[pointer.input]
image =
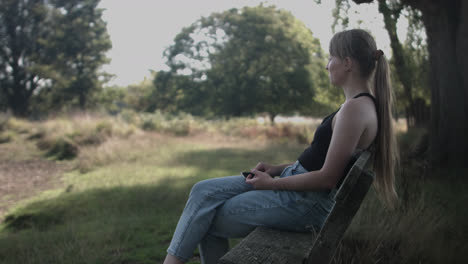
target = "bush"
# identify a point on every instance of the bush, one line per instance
(104, 128)
(18, 125)
(93, 133)
(60, 148)
(179, 125)
(62, 138)
(83, 138)
(6, 137)
(129, 116)
(148, 123)
(37, 133)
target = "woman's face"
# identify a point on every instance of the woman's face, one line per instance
(336, 70)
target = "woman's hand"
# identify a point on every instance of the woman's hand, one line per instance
(269, 169)
(261, 180)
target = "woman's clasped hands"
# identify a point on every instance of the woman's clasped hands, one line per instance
(262, 177)
(261, 180)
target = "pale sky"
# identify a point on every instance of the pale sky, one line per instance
(140, 30)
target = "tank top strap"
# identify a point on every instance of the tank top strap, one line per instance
(368, 95)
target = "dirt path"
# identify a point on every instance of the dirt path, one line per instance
(25, 173)
(23, 179)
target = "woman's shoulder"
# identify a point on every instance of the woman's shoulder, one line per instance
(361, 108)
(360, 104)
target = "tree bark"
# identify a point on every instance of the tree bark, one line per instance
(446, 28)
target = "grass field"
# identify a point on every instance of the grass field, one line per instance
(92, 189)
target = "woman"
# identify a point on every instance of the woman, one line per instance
(227, 207)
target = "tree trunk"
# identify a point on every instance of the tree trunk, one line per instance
(82, 100)
(447, 30)
(18, 100)
(18, 104)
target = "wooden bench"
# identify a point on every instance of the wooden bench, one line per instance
(265, 245)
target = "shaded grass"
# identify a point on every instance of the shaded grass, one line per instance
(124, 211)
(122, 202)
(114, 225)
(430, 225)
(430, 229)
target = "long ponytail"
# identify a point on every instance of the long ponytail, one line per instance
(386, 152)
(359, 45)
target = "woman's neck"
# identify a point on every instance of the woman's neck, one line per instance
(356, 87)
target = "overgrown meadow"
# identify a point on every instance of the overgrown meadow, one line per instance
(91, 188)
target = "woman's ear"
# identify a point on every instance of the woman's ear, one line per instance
(348, 64)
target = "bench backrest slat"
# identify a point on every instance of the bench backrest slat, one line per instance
(348, 200)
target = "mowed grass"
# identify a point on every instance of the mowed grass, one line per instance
(122, 197)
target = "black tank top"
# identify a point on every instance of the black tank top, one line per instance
(314, 156)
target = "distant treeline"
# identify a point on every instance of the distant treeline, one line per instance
(234, 63)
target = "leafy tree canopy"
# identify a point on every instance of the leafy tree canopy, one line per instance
(50, 51)
(242, 61)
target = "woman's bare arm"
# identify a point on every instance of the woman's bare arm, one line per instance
(350, 124)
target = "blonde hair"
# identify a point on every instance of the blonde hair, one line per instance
(360, 46)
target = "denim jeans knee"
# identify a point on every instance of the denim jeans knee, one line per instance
(205, 197)
(226, 207)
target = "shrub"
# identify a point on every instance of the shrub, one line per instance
(124, 130)
(62, 148)
(148, 124)
(89, 137)
(180, 125)
(104, 128)
(62, 138)
(18, 125)
(37, 133)
(6, 136)
(129, 116)
(58, 147)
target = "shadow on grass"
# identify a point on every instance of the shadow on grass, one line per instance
(131, 224)
(115, 225)
(135, 224)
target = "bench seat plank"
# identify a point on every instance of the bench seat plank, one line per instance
(265, 245)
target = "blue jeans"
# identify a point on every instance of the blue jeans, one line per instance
(228, 207)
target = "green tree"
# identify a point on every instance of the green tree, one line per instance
(78, 47)
(23, 24)
(244, 61)
(138, 96)
(51, 50)
(173, 93)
